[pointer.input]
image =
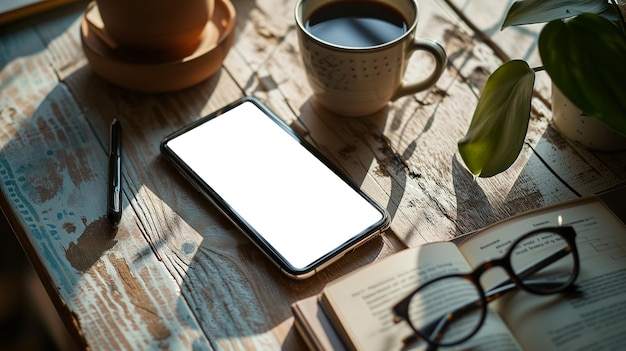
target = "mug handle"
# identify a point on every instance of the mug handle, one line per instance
(441, 59)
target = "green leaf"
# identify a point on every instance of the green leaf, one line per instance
(540, 11)
(586, 59)
(498, 128)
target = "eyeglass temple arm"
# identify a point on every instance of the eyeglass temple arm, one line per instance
(530, 270)
(438, 326)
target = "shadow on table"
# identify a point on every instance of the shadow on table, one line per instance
(227, 285)
(57, 190)
(28, 320)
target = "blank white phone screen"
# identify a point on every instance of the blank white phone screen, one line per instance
(300, 207)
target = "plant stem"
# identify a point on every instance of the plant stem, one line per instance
(620, 15)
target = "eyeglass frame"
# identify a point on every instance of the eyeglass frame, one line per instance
(401, 309)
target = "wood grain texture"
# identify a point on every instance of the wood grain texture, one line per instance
(177, 274)
(53, 165)
(409, 150)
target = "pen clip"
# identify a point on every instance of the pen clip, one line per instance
(114, 186)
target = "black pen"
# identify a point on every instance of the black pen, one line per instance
(114, 185)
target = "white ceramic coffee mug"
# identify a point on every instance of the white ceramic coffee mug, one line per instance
(357, 81)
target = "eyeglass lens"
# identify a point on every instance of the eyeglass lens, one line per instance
(543, 262)
(449, 310)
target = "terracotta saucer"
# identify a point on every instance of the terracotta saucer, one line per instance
(157, 72)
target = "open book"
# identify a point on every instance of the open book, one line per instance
(356, 309)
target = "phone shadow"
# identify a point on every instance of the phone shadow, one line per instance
(358, 146)
(233, 289)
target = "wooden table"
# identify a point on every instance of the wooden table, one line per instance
(177, 274)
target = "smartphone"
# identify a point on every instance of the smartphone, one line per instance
(298, 208)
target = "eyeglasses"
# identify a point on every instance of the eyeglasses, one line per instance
(450, 309)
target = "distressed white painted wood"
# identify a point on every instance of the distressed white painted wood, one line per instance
(177, 274)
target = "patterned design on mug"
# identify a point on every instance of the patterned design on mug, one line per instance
(371, 68)
(333, 72)
(330, 69)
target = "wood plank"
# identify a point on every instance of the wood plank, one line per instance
(108, 284)
(203, 252)
(177, 274)
(406, 156)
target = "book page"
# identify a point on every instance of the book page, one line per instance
(596, 319)
(361, 302)
(313, 324)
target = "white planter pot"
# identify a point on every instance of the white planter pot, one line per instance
(588, 132)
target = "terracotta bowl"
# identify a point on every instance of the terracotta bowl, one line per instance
(155, 24)
(158, 71)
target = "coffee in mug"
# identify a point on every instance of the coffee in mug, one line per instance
(356, 52)
(355, 25)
